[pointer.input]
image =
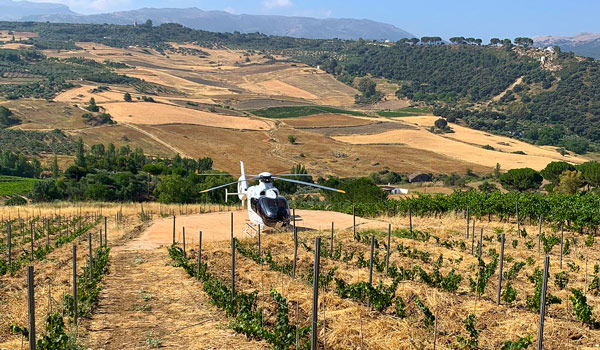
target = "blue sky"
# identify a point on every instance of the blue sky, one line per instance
(483, 19)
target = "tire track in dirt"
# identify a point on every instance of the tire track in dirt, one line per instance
(157, 139)
(147, 303)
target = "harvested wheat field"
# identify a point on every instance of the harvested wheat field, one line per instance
(446, 146)
(156, 114)
(16, 46)
(83, 94)
(326, 120)
(501, 143)
(4, 36)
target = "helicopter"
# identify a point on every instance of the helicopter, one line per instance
(266, 206)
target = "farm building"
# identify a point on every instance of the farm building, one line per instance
(419, 177)
(393, 189)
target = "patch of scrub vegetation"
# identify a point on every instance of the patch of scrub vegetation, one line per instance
(13, 185)
(36, 142)
(301, 111)
(403, 112)
(48, 76)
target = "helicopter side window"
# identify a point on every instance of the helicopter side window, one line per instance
(253, 203)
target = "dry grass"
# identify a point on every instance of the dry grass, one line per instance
(121, 135)
(504, 144)
(81, 95)
(44, 115)
(53, 275)
(460, 146)
(352, 325)
(156, 114)
(4, 36)
(325, 120)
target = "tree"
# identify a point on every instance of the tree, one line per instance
(127, 97)
(441, 123)
(523, 179)
(553, 170)
(367, 86)
(292, 139)
(497, 171)
(54, 167)
(80, 154)
(570, 182)
(175, 189)
(45, 191)
(495, 41)
(92, 107)
(591, 172)
(523, 42)
(487, 187)
(361, 190)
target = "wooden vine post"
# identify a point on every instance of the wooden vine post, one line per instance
(32, 240)
(31, 307)
(232, 268)
(562, 237)
(387, 253)
(9, 247)
(315, 308)
(480, 242)
(410, 218)
(75, 284)
(354, 221)
(543, 304)
(183, 238)
(295, 253)
(106, 231)
(331, 248)
(468, 217)
(91, 261)
(540, 234)
(199, 253)
(371, 260)
(259, 240)
(173, 229)
(500, 270)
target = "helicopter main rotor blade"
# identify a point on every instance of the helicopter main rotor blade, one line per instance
(292, 175)
(225, 185)
(309, 184)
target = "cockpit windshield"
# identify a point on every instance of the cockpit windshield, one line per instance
(272, 210)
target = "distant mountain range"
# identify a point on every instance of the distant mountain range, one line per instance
(214, 21)
(584, 44)
(15, 10)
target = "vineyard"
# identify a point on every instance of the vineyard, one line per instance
(437, 286)
(43, 237)
(425, 278)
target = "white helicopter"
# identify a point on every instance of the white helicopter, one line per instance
(266, 206)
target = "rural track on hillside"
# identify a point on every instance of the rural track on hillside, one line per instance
(157, 139)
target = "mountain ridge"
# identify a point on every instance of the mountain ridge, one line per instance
(222, 21)
(582, 44)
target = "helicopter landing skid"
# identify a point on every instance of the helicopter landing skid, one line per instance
(250, 230)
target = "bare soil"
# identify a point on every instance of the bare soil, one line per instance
(147, 303)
